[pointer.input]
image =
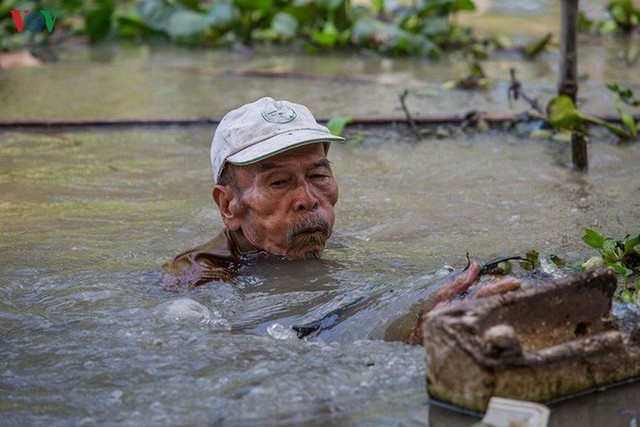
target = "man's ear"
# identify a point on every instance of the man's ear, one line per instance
(228, 204)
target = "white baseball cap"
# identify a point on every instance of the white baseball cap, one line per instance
(262, 129)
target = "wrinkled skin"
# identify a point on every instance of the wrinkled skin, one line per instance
(284, 204)
(455, 291)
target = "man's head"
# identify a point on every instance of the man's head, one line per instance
(272, 181)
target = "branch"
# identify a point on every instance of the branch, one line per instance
(515, 92)
(412, 122)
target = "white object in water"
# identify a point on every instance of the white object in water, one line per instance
(281, 332)
(503, 412)
(186, 309)
(183, 309)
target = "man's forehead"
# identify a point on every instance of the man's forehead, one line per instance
(312, 155)
(312, 163)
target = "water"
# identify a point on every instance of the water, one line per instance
(89, 337)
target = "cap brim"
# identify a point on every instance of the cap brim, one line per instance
(279, 144)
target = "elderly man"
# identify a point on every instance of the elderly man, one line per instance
(273, 186)
(275, 191)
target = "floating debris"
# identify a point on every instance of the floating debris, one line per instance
(539, 344)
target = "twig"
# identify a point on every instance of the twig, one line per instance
(412, 122)
(515, 91)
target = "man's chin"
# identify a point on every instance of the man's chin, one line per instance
(307, 247)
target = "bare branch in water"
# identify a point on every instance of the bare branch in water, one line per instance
(515, 92)
(412, 122)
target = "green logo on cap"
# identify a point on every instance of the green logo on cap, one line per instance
(281, 114)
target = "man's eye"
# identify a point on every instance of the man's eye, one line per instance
(277, 183)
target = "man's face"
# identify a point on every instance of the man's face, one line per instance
(286, 202)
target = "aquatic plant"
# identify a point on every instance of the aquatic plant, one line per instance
(536, 47)
(624, 95)
(336, 124)
(424, 28)
(563, 114)
(623, 256)
(623, 17)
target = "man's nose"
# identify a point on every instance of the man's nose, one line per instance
(304, 198)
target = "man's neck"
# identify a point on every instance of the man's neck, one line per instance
(242, 245)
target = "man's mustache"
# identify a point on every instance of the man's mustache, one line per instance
(311, 224)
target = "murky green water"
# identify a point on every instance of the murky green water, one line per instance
(88, 337)
(152, 82)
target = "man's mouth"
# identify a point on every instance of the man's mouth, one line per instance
(310, 226)
(312, 230)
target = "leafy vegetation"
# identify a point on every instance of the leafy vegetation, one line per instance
(336, 126)
(623, 256)
(623, 17)
(625, 96)
(563, 114)
(422, 29)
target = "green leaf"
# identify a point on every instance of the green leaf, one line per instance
(610, 250)
(222, 14)
(190, 4)
(184, 23)
(534, 48)
(502, 41)
(628, 121)
(129, 24)
(378, 6)
(616, 130)
(476, 71)
(557, 260)
(7, 5)
(532, 256)
(608, 27)
(585, 23)
(337, 124)
(364, 30)
(625, 296)
(264, 6)
(630, 243)
(563, 113)
(593, 238)
(98, 20)
(155, 13)
(467, 5)
(505, 267)
(329, 35)
(541, 133)
(435, 25)
(285, 25)
(264, 34)
(329, 4)
(625, 94)
(618, 268)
